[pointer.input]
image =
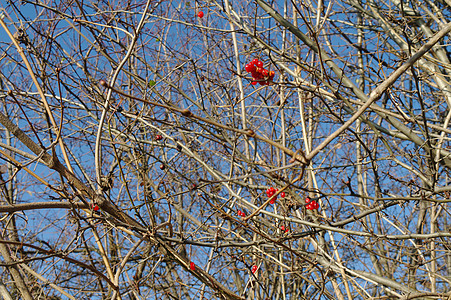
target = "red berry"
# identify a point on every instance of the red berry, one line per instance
(282, 194)
(254, 269)
(265, 72)
(162, 167)
(272, 201)
(158, 137)
(307, 200)
(282, 227)
(249, 68)
(95, 207)
(192, 266)
(254, 82)
(256, 75)
(200, 14)
(259, 64)
(311, 204)
(254, 61)
(239, 212)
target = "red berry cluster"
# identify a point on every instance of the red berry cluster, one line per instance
(158, 137)
(260, 74)
(241, 214)
(311, 204)
(284, 229)
(271, 191)
(254, 269)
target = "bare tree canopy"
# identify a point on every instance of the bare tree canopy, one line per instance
(225, 149)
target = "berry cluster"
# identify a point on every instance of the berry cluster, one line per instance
(311, 204)
(284, 229)
(241, 214)
(271, 191)
(254, 269)
(260, 74)
(158, 137)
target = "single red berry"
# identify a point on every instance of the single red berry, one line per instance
(282, 195)
(239, 212)
(249, 68)
(158, 137)
(307, 200)
(315, 205)
(254, 61)
(192, 266)
(254, 82)
(282, 227)
(254, 269)
(200, 14)
(265, 72)
(272, 201)
(95, 207)
(259, 64)
(162, 167)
